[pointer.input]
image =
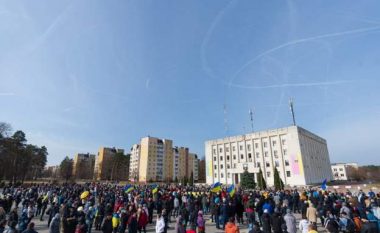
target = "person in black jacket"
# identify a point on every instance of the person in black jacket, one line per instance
(107, 224)
(266, 222)
(277, 222)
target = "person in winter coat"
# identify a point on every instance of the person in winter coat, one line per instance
(311, 214)
(55, 224)
(30, 228)
(290, 221)
(107, 224)
(132, 223)
(331, 224)
(23, 221)
(231, 226)
(179, 226)
(304, 225)
(266, 221)
(201, 222)
(142, 220)
(277, 222)
(160, 224)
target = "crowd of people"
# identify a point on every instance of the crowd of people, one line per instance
(111, 208)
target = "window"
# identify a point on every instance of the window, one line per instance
(342, 175)
(341, 169)
(266, 153)
(288, 174)
(214, 158)
(257, 155)
(215, 167)
(249, 147)
(335, 170)
(228, 175)
(265, 144)
(216, 175)
(234, 165)
(228, 157)
(228, 166)
(256, 145)
(275, 154)
(286, 163)
(285, 152)
(277, 164)
(241, 156)
(220, 150)
(233, 148)
(240, 147)
(221, 175)
(221, 166)
(214, 151)
(221, 158)
(234, 156)
(268, 174)
(258, 164)
(267, 164)
(283, 141)
(274, 143)
(227, 149)
(249, 155)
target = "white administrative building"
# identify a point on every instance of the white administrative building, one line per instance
(300, 156)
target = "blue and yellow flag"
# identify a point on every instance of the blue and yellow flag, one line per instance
(231, 190)
(154, 188)
(324, 185)
(216, 187)
(128, 188)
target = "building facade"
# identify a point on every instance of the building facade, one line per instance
(300, 156)
(107, 167)
(340, 171)
(83, 166)
(202, 171)
(156, 159)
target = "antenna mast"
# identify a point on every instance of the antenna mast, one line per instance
(251, 117)
(292, 110)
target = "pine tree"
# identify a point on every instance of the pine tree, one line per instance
(247, 180)
(278, 183)
(261, 181)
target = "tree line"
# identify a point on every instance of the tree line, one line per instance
(20, 161)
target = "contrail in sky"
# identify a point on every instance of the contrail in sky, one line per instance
(293, 42)
(310, 84)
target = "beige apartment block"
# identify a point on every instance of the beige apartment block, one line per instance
(83, 166)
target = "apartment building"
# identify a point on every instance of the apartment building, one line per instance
(340, 171)
(83, 166)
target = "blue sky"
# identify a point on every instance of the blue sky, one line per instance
(76, 75)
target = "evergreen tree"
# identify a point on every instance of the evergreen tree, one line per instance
(261, 181)
(247, 180)
(66, 168)
(278, 183)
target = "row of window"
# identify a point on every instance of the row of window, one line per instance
(266, 154)
(258, 164)
(265, 145)
(288, 174)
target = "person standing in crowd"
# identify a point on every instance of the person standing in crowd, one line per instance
(107, 224)
(160, 224)
(266, 221)
(312, 228)
(55, 224)
(201, 222)
(290, 221)
(304, 225)
(311, 214)
(231, 226)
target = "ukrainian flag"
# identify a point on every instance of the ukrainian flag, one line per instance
(216, 187)
(231, 190)
(128, 188)
(154, 188)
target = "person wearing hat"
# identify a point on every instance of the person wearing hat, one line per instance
(201, 222)
(290, 221)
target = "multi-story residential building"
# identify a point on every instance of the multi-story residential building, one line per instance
(300, 156)
(192, 166)
(340, 171)
(156, 156)
(134, 163)
(156, 159)
(108, 167)
(83, 166)
(202, 171)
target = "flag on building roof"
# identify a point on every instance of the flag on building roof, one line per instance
(231, 190)
(128, 188)
(216, 187)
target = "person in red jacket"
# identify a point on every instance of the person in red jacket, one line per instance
(231, 226)
(142, 220)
